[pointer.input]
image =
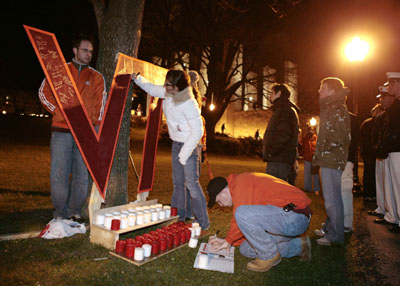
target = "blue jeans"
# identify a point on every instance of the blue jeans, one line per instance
(279, 170)
(332, 192)
(187, 177)
(268, 230)
(67, 196)
(310, 179)
(189, 213)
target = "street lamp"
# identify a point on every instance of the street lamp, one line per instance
(356, 50)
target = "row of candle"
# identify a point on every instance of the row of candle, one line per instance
(158, 241)
(135, 216)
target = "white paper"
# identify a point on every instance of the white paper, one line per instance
(217, 261)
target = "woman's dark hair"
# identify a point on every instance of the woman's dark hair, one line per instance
(281, 87)
(178, 78)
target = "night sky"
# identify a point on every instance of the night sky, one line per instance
(332, 23)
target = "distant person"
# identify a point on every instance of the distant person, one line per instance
(331, 156)
(68, 194)
(185, 129)
(257, 134)
(281, 135)
(382, 174)
(223, 128)
(311, 175)
(391, 147)
(269, 215)
(368, 154)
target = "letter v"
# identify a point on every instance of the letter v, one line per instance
(97, 149)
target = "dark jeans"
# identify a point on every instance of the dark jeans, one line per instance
(369, 176)
(279, 170)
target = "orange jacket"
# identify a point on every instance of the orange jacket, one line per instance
(308, 145)
(91, 86)
(260, 189)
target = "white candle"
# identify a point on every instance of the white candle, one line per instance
(140, 219)
(203, 260)
(198, 231)
(139, 254)
(107, 221)
(147, 217)
(154, 216)
(100, 219)
(132, 220)
(193, 242)
(124, 223)
(147, 250)
(162, 215)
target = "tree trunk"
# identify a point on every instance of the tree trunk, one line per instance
(119, 28)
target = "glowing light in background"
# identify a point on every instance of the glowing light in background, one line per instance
(313, 121)
(212, 106)
(356, 50)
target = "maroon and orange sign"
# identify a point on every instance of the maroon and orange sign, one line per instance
(97, 149)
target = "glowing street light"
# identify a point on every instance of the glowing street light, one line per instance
(212, 106)
(356, 50)
(313, 121)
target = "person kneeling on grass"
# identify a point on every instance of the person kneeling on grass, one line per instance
(268, 216)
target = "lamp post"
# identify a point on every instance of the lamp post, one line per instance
(355, 52)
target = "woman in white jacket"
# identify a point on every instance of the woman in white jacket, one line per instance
(185, 129)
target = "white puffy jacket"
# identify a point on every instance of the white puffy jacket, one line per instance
(182, 113)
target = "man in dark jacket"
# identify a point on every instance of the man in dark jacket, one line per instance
(280, 137)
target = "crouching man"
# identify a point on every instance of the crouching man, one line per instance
(268, 216)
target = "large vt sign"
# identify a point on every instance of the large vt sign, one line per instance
(97, 149)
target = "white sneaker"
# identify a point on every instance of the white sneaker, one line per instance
(323, 241)
(319, 232)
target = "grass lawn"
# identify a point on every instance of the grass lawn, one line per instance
(25, 206)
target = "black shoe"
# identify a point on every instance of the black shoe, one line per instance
(381, 221)
(77, 219)
(375, 213)
(395, 229)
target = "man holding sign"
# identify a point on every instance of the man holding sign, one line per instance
(69, 194)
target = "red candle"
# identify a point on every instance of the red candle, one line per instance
(182, 236)
(147, 241)
(174, 211)
(120, 246)
(139, 244)
(130, 250)
(115, 224)
(130, 241)
(155, 246)
(188, 234)
(139, 238)
(170, 241)
(177, 240)
(163, 244)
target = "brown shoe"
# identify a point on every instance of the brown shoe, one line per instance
(305, 249)
(260, 265)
